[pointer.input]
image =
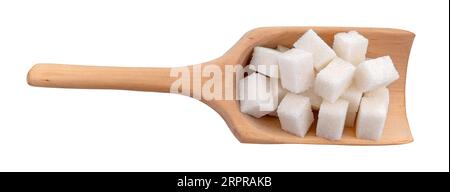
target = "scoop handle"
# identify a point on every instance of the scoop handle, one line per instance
(96, 77)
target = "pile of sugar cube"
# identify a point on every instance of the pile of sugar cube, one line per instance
(346, 88)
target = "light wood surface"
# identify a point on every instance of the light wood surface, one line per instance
(393, 42)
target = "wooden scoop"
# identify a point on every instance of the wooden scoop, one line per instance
(247, 129)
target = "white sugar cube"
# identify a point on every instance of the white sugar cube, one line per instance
(350, 119)
(315, 99)
(265, 61)
(255, 96)
(312, 43)
(372, 115)
(351, 47)
(282, 48)
(334, 79)
(295, 114)
(375, 73)
(277, 90)
(380, 93)
(353, 96)
(278, 93)
(296, 70)
(331, 119)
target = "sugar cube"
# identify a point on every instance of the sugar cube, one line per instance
(282, 48)
(351, 46)
(296, 70)
(278, 93)
(353, 96)
(334, 79)
(375, 73)
(372, 115)
(295, 114)
(277, 90)
(312, 43)
(315, 99)
(265, 61)
(255, 96)
(331, 119)
(380, 93)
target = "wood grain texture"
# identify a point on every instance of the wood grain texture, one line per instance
(394, 42)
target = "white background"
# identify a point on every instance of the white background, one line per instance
(44, 129)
